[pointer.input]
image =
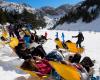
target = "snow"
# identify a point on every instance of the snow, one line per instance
(91, 48)
(81, 26)
(51, 20)
(92, 8)
(9, 61)
(91, 32)
(8, 64)
(10, 6)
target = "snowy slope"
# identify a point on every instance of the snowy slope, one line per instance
(90, 43)
(8, 63)
(51, 20)
(79, 25)
(8, 60)
(10, 6)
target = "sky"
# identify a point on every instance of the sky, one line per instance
(41, 3)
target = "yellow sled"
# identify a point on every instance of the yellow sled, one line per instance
(72, 47)
(59, 43)
(67, 72)
(33, 74)
(14, 42)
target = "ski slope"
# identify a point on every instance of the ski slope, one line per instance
(9, 61)
(81, 26)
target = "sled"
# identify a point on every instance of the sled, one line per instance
(33, 74)
(59, 43)
(72, 47)
(14, 42)
(67, 72)
(4, 34)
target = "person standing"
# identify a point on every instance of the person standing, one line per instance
(80, 39)
(46, 34)
(16, 31)
(56, 35)
(10, 29)
(63, 37)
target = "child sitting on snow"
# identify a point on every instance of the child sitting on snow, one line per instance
(84, 67)
(41, 66)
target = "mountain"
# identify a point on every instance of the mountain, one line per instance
(10, 6)
(46, 10)
(14, 11)
(63, 9)
(17, 13)
(86, 11)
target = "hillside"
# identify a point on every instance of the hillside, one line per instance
(13, 12)
(81, 26)
(84, 13)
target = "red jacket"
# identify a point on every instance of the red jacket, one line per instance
(43, 67)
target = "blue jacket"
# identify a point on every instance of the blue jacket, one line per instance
(27, 39)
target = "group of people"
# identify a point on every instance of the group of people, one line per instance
(36, 59)
(22, 32)
(42, 67)
(80, 38)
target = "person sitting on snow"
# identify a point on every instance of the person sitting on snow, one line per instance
(3, 39)
(40, 66)
(22, 51)
(76, 58)
(37, 49)
(35, 37)
(32, 37)
(87, 63)
(54, 55)
(84, 67)
(27, 40)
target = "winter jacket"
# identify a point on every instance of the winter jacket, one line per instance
(54, 55)
(43, 66)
